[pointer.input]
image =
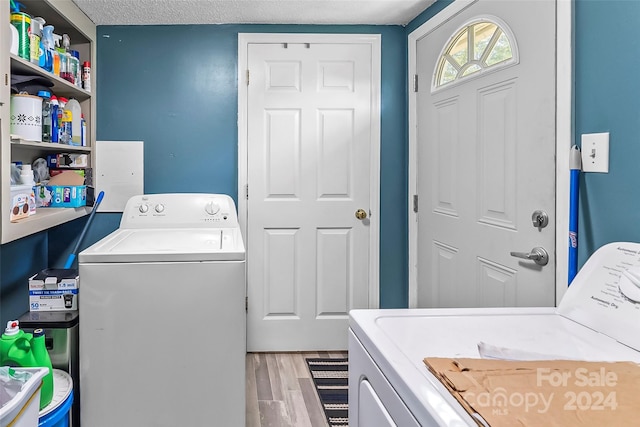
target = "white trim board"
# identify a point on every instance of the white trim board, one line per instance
(564, 137)
(375, 40)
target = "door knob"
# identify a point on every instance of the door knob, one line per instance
(539, 255)
(361, 214)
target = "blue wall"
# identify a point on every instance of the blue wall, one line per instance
(19, 260)
(175, 87)
(608, 100)
(427, 14)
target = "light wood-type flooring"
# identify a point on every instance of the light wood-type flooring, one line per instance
(280, 390)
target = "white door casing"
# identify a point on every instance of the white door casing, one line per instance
(503, 94)
(309, 154)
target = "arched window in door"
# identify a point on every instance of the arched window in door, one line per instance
(480, 45)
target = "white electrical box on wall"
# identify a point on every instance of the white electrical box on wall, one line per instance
(595, 152)
(119, 172)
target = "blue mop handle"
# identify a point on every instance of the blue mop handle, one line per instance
(72, 255)
(575, 166)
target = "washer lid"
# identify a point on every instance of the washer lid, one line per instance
(604, 294)
(165, 245)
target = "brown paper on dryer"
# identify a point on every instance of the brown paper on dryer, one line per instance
(547, 393)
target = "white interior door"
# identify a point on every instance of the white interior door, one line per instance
(310, 110)
(486, 147)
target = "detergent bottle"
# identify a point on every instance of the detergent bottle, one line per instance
(18, 348)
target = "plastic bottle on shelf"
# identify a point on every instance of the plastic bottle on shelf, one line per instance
(55, 129)
(22, 22)
(65, 122)
(57, 54)
(75, 67)
(48, 52)
(65, 60)
(26, 175)
(86, 76)
(46, 115)
(76, 121)
(83, 125)
(35, 39)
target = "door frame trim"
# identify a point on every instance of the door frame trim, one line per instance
(375, 42)
(564, 138)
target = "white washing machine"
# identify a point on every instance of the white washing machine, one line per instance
(162, 316)
(389, 384)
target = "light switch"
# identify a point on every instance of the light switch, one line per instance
(595, 152)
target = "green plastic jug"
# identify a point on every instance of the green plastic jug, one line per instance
(18, 348)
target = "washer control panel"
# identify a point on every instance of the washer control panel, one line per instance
(180, 210)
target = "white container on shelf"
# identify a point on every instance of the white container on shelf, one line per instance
(26, 117)
(76, 121)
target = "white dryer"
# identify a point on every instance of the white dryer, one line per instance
(389, 384)
(162, 316)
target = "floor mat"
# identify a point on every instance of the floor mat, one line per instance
(331, 379)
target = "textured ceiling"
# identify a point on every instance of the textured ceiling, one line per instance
(151, 12)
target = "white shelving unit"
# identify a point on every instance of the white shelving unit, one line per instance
(65, 16)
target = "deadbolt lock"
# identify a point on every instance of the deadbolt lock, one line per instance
(540, 219)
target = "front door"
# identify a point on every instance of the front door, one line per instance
(486, 148)
(309, 143)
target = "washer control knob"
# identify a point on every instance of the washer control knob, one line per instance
(143, 208)
(159, 208)
(212, 208)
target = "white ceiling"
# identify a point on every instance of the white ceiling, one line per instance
(155, 12)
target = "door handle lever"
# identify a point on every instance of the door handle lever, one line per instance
(539, 255)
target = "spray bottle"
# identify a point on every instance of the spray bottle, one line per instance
(65, 61)
(46, 59)
(18, 348)
(57, 54)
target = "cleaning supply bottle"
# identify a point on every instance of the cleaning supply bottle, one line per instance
(86, 76)
(83, 126)
(76, 121)
(35, 39)
(65, 60)
(22, 22)
(66, 122)
(74, 61)
(55, 130)
(46, 59)
(46, 115)
(18, 348)
(57, 54)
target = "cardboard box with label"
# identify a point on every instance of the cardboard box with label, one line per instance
(54, 290)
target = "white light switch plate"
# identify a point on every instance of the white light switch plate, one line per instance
(595, 152)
